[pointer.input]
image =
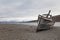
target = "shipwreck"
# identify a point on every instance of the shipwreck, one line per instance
(45, 22)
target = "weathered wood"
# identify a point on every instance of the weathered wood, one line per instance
(45, 22)
(48, 14)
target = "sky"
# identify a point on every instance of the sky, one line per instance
(23, 10)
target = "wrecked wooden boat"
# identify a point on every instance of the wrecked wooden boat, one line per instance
(45, 22)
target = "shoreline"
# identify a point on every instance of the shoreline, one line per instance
(24, 32)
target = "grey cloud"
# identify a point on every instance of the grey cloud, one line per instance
(25, 8)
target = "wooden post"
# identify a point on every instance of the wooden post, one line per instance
(48, 14)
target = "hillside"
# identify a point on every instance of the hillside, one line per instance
(56, 18)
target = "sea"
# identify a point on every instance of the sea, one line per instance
(36, 24)
(28, 23)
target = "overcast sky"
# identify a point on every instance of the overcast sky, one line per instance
(27, 9)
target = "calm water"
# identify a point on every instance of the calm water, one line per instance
(35, 24)
(57, 24)
(30, 24)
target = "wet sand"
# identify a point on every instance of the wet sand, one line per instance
(24, 32)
